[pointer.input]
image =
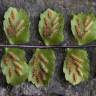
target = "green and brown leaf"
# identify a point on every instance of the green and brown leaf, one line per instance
(16, 26)
(14, 66)
(76, 66)
(83, 27)
(41, 67)
(51, 27)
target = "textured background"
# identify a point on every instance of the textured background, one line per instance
(58, 86)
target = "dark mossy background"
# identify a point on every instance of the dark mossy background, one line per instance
(58, 86)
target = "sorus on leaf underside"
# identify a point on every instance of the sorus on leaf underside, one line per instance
(76, 66)
(16, 25)
(14, 66)
(83, 26)
(41, 67)
(51, 27)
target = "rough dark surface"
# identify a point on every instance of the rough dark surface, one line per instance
(58, 86)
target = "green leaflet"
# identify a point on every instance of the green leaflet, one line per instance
(16, 26)
(51, 27)
(14, 66)
(76, 66)
(41, 67)
(83, 27)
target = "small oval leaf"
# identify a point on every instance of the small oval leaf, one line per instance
(51, 27)
(14, 66)
(76, 66)
(83, 27)
(41, 67)
(16, 25)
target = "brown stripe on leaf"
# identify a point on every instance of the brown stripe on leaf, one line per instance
(18, 72)
(10, 71)
(20, 24)
(10, 22)
(11, 31)
(38, 79)
(18, 65)
(43, 74)
(46, 31)
(44, 68)
(13, 56)
(6, 60)
(54, 28)
(77, 64)
(42, 58)
(87, 21)
(87, 28)
(34, 71)
(34, 60)
(74, 57)
(78, 71)
(40, 75)
(78, 30)
(46, 21)
(20, 31)
(56, 20)
(74, 77)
